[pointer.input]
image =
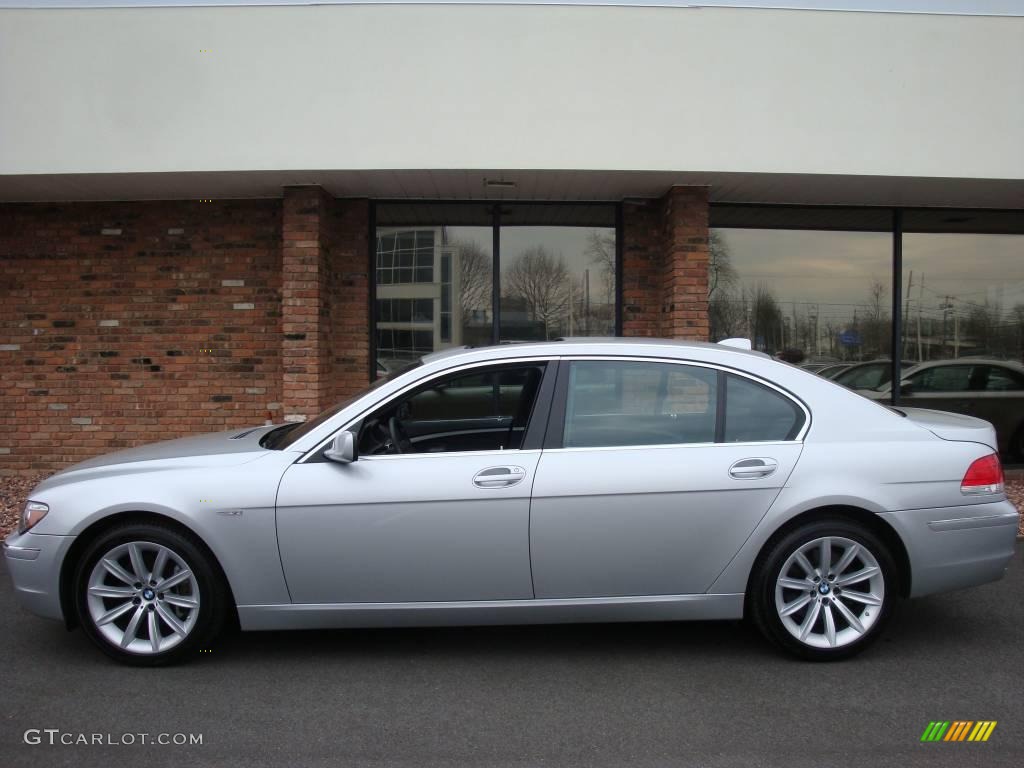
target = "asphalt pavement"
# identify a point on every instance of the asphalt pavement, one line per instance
(702, 694)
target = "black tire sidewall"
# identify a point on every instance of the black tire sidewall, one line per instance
(211, 592)
(763, 596)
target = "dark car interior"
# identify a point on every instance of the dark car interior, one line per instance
(472, 411)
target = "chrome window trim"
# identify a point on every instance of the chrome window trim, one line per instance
(419, 382)
(700, 364)
(449, 454)
(667, 446)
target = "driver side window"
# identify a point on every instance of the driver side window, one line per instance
(477, 410)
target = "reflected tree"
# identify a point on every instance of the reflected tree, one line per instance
(474, 275)
(540, 279)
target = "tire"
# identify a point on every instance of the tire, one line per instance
(128, 616)
(821, 624)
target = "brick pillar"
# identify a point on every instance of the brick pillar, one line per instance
(665, 266)
(641, 268)
(348, 242)
(305, 306)
(684, 312)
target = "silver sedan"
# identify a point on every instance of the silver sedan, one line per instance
(570, 481)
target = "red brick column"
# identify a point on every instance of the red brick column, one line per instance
(665, 266)
(325, 321)
(641, 268)
(305, 307)
(685, 277)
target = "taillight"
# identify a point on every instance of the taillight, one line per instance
(983, 476)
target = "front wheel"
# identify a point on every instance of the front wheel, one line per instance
(825, 590)
(147, 594)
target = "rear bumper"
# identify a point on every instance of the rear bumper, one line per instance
(34, 561)
(955, 547)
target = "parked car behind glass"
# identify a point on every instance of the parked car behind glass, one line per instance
(992, 390)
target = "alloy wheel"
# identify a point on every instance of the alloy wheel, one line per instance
(143, 597)
(830, 592)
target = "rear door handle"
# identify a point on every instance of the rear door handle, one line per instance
(751, 469)
(499, 477)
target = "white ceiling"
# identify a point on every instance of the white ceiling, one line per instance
(804, 189)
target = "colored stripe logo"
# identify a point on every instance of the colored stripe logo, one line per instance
(959, 730)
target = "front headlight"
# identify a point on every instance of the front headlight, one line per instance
(33, 512)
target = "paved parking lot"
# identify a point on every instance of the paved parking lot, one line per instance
(618, 695)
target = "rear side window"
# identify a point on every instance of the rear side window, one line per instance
(615, 403)
(944, 378)
(755, 413)
(1004, 380)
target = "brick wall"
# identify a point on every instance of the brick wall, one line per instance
(684, 284)
(305, 323)
(347, 239)
(665, 266)
(121, 323)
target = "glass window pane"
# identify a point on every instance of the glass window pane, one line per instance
(557, 281)
(621, 403)
(942, 378)
(964, 296)
(475, 411)
(421, 310)
(754, 412)
(808, 296)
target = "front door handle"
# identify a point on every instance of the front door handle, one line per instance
(499, 477)
(751, 469)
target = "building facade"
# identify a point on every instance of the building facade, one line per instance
(212, 214)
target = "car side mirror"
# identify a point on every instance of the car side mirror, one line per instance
(342, 448)
(906, 388)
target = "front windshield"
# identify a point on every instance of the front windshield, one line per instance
(288, 434)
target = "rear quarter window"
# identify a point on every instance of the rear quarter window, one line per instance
(756, 413)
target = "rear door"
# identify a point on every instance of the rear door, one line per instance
(654, 473)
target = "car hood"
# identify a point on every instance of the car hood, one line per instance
(220, 448)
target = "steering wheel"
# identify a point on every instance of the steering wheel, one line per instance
(399, 437)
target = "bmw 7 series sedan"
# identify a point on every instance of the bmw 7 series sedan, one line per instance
(579, 480)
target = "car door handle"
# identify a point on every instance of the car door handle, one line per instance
(751, 469)
(499, 477)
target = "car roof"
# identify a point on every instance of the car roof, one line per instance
(585, 345)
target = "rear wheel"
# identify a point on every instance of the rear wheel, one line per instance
(148, 595)
(825, 590)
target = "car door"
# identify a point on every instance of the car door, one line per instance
(445, 519)
(654, 473)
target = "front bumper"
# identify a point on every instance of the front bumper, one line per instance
(956, 547)
(34, 562)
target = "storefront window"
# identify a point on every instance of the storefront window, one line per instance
(436, 265)
(812, 287)
(963, 286)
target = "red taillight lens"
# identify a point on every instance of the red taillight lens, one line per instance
(983, 476)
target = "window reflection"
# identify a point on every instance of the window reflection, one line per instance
(964, 296)
(433, 290)
(557, 281)
(812, 297)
